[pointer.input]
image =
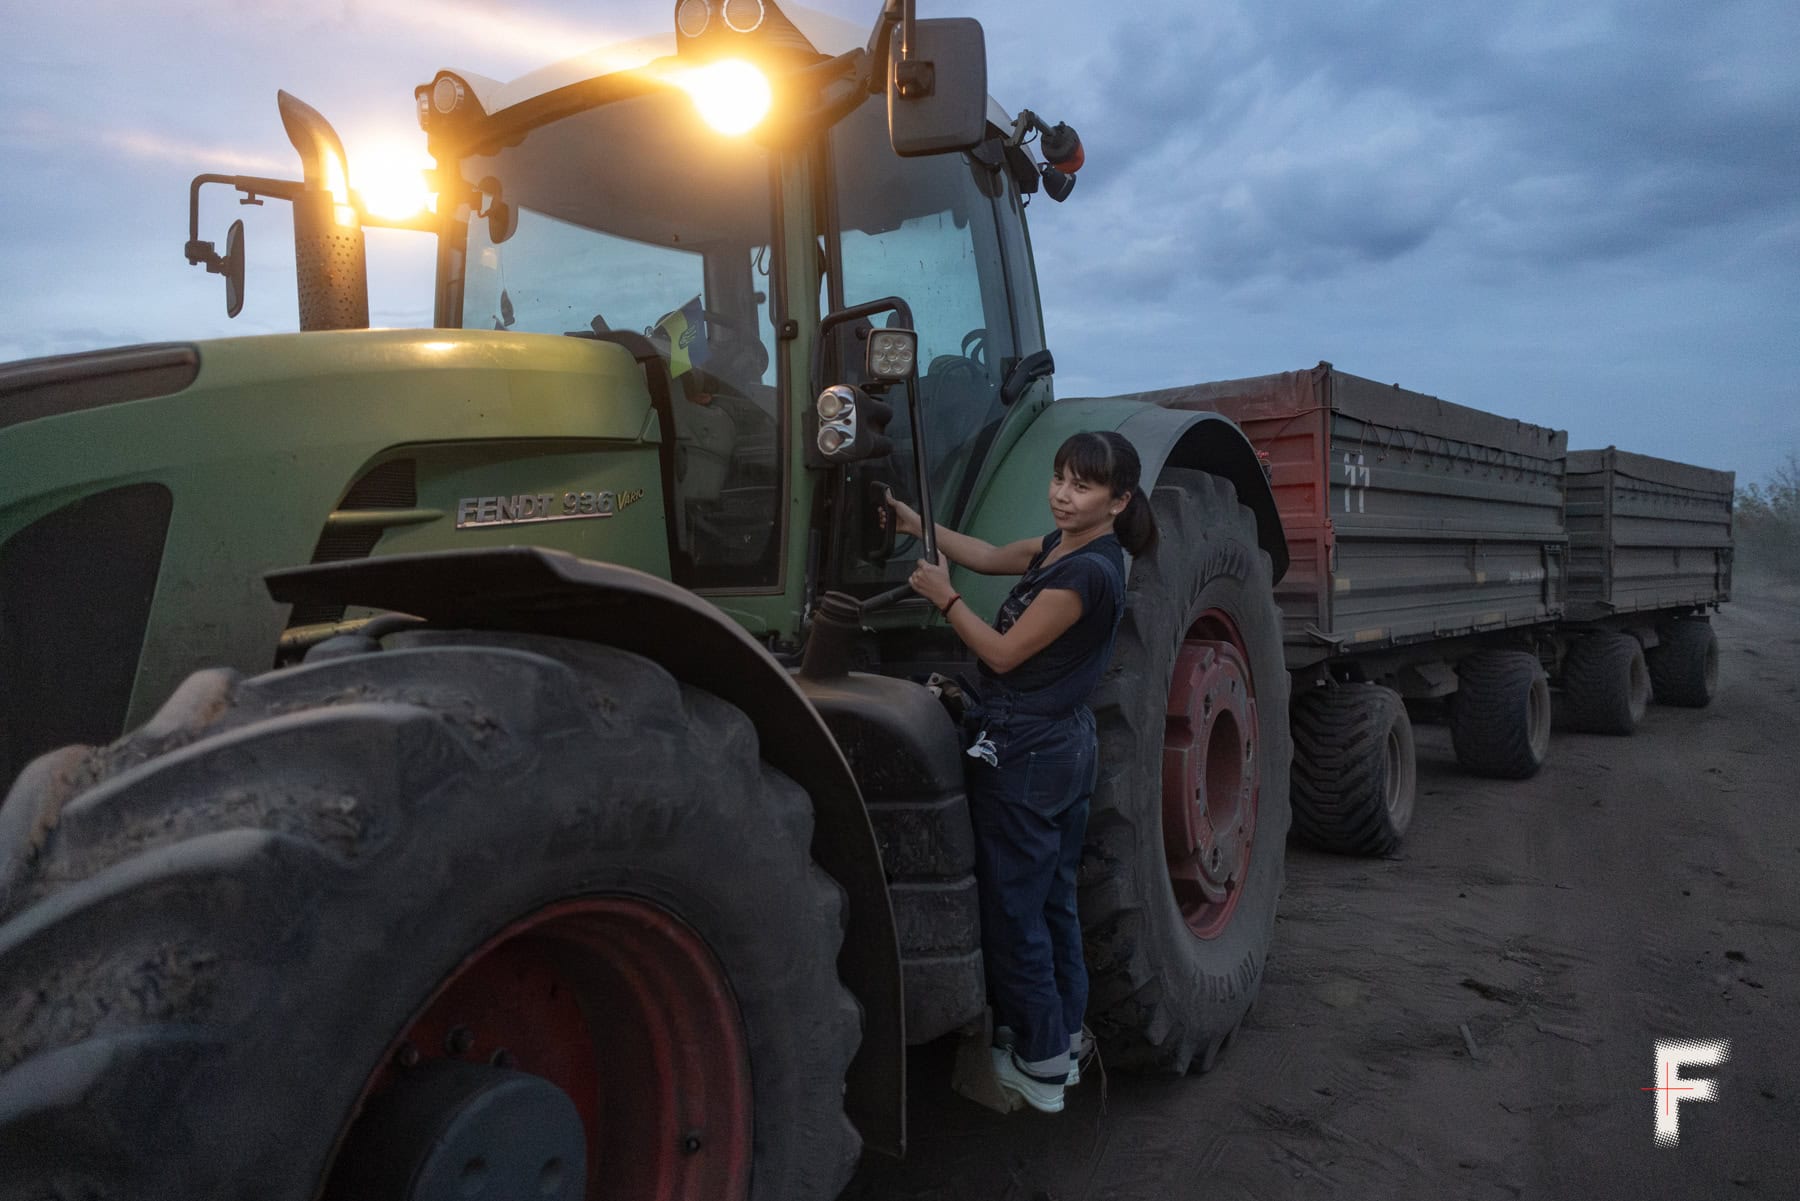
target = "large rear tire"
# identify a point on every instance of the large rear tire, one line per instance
(1500, 714)
(1605, 684)
(406, 916)
(1355, 772)
(1183, 861)
(1684, 668)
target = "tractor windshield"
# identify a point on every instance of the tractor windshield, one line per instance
(620, 216)
(634, 216)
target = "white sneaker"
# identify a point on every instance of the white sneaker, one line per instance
(1045, 1096)
(1081, 1049)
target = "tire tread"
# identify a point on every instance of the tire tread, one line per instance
(1596, 683)
(1489, 726)
(1152, 1007)
(142, 882)
(1678, 665)
(1340, 783)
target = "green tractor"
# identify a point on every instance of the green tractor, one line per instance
(501, 759)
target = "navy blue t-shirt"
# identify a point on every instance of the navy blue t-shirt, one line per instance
(1057, 680)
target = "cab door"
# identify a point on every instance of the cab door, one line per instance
(946, 234)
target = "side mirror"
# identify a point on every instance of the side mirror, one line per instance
(234, 269)
(503, 221)
(231, 263)
(937, 92)
(1027, 371)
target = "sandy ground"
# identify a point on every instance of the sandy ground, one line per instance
(1638, 888)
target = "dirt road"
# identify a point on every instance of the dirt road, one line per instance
(1638, 888)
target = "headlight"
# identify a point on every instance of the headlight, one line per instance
(852, 424)
(836, 407)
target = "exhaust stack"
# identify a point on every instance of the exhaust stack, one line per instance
(330, 261)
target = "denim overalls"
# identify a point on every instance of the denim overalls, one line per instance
(1032, 769)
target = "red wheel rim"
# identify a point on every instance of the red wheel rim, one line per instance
(622, 1006)
(1210, 785)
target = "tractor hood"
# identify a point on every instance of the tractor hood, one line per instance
(71, 421)
(144, 492)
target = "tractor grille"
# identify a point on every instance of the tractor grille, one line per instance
(392, 485)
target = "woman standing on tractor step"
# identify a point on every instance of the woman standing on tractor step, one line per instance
(1035, 755)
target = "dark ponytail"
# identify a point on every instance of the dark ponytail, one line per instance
(1109, 459)
(1136, 526)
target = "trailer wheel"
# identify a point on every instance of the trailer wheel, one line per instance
(1183, 859)
(1355, 774)
(480, 915)
(1500, 714)
(1684, 669)
(1605, 684)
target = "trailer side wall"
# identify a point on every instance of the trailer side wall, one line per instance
(1646, 534)
(1409, 519)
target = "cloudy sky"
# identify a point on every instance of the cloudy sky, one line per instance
(1584, 213)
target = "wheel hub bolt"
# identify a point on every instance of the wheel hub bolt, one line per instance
(459, 1040)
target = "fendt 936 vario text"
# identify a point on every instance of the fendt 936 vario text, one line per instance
(497, 757)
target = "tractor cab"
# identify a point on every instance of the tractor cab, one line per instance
(722, 208)
(723, 203)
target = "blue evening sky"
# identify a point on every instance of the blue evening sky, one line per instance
(1583, 213)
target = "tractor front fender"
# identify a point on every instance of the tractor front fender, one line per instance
(1013, 503)
(530, 590)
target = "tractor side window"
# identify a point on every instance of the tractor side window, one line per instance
(924, 229)
(672, 240)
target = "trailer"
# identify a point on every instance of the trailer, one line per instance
(1650, 554)
(1426, 551)
(1443, 556)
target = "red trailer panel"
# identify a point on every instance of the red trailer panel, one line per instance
(1409, 519)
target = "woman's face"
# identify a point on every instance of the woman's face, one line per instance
(1081, 506)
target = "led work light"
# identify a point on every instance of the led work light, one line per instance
(693, 17)
(892, 354)
(447, 93)
(743, 16)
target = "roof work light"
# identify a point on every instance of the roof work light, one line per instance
(733, 97)
(724, 48)
(692, 17)
(734, 28)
